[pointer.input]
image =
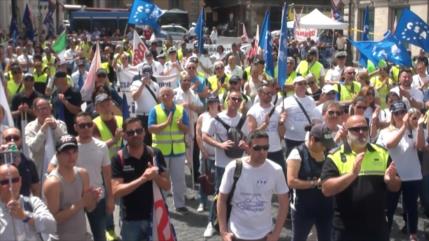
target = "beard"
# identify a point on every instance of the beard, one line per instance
(357, 141)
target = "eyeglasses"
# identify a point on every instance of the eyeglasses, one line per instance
(218, 67)
(332, 113)
(236, 99)
(361, 107)
(85, 125)
(135, 132)
(398, 113)
(267, 93)
(331, 93)
(166, 95)
(29, 79)
(12, 138)
(5, 182)
(259, 147)
(191, 67)
(358, 129)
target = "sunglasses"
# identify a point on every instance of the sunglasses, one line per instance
(218, 68)
(259, 147)
(398, 113)
(331, 93)
(359, 129)
(28, 79)
(85, 125)
(233, 83)
(191, 67)
(236, 99)
(135, 132)
(350, 72)
(310, 82)
(361, 107)
(12, 138)
(332, 113)
(5, 182)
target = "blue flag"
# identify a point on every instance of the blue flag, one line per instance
(144, 12)
(268, 45)
(13, 29)
(363, 60)
(125, 107)
(411, 28)
(199, 31)
(389, 49)
(264, 27)
(49, 19)
(282, 58)
(26, 20)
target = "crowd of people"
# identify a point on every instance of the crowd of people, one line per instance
(336, 145)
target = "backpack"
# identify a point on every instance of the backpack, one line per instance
(234, 134)
(214, 218)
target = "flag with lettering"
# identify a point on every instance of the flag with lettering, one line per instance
(412, 29)
(282, 58)
(139, 49)
(162, 230)
(144, 12)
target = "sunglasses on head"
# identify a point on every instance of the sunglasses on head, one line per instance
(10, 138)
(85, 125)
(358, 129)
(135, 132)
(260, 147)
(5, 182)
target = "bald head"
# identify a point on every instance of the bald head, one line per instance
(5, 169)
(9, 173)
(356, 120)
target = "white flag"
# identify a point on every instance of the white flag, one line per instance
(139, 49)
(88, 86)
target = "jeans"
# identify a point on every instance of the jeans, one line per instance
(218, 178)
(203, 168)
(97, 221)
(135, 230)
(410, 192)
(302, 223)
(424, 195)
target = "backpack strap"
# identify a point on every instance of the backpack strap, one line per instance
(148, 148)
(241, 122)
(237, 174)
(223, 123)
(303, 153)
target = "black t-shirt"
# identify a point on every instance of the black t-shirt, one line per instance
(28, 172)
(138, 204)
(74, 97)
(361, 208)
(19, 99)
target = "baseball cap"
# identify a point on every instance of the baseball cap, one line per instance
(235, 79)
(28, 75)
(101, 97)
(101, 71)
(398, 106)
(146, 68)
(171, 50)
(212, 98)
(299, 79)
(66, 141)
(313, 51)
(161, 55)
(328, 88)
(324, 135)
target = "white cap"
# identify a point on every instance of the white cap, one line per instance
(328, 88)
(299, 79)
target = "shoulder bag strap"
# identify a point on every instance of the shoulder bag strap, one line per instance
(223, 123)
(303, 152)
(237, 173)
(152, 94)
(303, 110)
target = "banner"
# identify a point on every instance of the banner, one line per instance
(301, 34)
(162, 229)
(167, 80)
(88, 86)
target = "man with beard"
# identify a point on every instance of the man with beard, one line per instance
(311, 67)
(358, 175)
(412, 97)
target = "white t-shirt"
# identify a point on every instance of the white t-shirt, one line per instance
(419, 81)
(259, 113)
(236, 71)
(146, 101)
(92, 156)
(416, 94)
(404, 154)
(251, 214)
(216, 129)
(206, 118)
(181, 97)
(296, 119)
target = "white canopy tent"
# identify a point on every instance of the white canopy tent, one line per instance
(318, 20)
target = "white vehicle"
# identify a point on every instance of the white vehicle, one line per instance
(176, 32)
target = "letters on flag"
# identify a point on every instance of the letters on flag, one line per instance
(411, 28)
(139, 49)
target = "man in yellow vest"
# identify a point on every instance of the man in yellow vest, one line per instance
(358, 174)
(168, 124)
(312, 66)
(41, 75)
(109, 126)
(350, 88)
(218, 83)
(14, 83)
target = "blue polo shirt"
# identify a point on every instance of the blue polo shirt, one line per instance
(201, 86)
(152, 115)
